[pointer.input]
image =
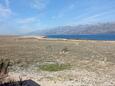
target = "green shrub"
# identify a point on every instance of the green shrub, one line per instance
(54, 67)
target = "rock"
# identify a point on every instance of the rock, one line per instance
(29, 83)
(21, 83)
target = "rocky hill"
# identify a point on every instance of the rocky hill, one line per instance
(100, 28)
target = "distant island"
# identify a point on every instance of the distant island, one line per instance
(100, 28)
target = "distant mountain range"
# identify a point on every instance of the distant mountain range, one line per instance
(100, 28)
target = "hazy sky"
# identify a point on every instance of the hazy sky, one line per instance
(22, 16)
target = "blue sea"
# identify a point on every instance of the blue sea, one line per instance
(86, 37)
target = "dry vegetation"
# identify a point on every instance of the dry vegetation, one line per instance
(61, 62)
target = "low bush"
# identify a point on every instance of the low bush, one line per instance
(54, 67)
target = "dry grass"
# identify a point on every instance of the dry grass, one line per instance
(92, 61)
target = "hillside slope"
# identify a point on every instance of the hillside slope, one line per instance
(101, 28)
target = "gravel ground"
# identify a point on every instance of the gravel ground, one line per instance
(92, 62)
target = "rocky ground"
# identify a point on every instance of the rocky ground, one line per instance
(92, 63)
(97, 74)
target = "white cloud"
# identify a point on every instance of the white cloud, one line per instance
(89, 18)
(27, 20)
(39, 4)
(27, 24)
(64, 11)
(4, 12)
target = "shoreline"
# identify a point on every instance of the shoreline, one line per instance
(64, 39)
(42, 37)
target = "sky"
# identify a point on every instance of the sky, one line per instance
(24, 16)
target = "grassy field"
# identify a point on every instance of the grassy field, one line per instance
(91, 62)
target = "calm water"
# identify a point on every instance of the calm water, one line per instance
(86, 37)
